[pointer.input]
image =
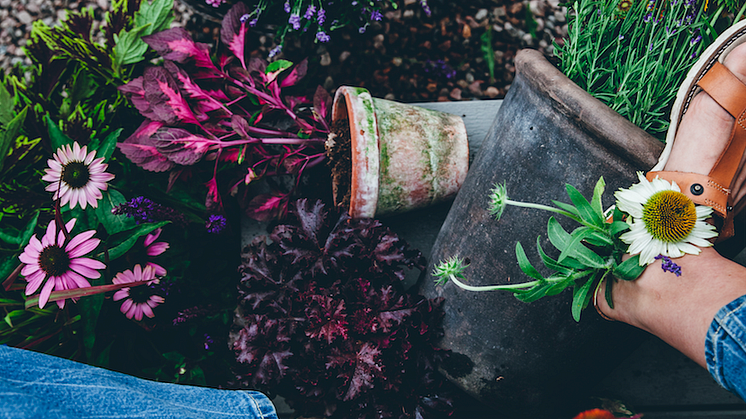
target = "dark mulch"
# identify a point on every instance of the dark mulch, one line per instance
(411, 57)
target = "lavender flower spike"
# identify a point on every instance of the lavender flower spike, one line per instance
(295, 21)
(309, 12)
(668, 265)
(322, 36)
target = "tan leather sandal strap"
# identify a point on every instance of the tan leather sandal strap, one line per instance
(730, 93)
(699, 188)
(723, 86)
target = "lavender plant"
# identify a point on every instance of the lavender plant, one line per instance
(633, 55)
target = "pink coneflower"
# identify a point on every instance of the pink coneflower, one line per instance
(76, 176)
(153, 249)
(139, 299)
(58, 262)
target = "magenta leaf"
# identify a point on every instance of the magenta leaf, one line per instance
(164, 97)
(322, 102)
(213, 200)
(140, 150)
(264, 207)
(177, 45)
(233, 32)
(205, 100)
(240, 126)
(298, 72)
(180, 146)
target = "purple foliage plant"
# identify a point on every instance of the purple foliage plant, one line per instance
(232, 110)
(325, 321)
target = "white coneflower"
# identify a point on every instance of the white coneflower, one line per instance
(663, 221)
(76, 176)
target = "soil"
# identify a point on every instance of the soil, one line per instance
(410, 57)
(339, 160)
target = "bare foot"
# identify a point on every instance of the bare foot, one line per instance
(679, 310)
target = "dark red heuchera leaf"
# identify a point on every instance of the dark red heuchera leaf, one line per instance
(263, 344)
(362, 345)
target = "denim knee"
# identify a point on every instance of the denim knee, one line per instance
(725, 347)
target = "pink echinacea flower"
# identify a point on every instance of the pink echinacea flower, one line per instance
(58, 262)
(139, 300)
(76, 176)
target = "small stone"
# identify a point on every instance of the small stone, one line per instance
(33, 8)
(560, 17)
(49, 20)
(469, 78)
(396, 61)
(481, 14)
(538, 7)
(328, 83)
(543, 44)
(443, 99)
(24, 17)
(499, 55)
(466, 32)
(455, 94)
(431, 87)
(463, 84)
(325, 60)
(527, 39)
(61, 14)
(103, 4)
(516, 8)
(445, 46)
(497, 28)
(499, 12)
(408, 2)
(492, 92)
(408, 14)
(5, 3)
(476, 88)
(390, 96)
(344, 55)
(443, 92)
(539, 25)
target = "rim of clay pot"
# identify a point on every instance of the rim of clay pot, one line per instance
(355, 104)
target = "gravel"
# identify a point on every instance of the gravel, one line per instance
(408, 56)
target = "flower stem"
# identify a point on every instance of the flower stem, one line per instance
(541, 207)
(492, 287)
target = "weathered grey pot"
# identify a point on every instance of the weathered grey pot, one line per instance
(533, 360)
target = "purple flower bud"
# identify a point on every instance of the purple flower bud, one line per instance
(286, 7)
(253, 22)
(322, 36)
(295, 21)
(321, 16)
(215, 224)
(276, 50)
(354, 3)
(425, 7)
(309, 12)
(376, 15)
(244, 18)
(215, 3)
(362, 29)
(695, 40)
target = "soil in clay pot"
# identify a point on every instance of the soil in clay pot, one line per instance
(339, 158)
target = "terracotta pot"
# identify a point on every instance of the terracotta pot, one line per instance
(403, 156)
(533, 360)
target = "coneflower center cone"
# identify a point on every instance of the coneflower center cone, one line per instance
(669, 216)
(54, 260)
(76, 174)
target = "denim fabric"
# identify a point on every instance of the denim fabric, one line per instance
(34, 385)
(725, 347)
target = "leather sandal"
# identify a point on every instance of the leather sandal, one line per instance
(712, 77)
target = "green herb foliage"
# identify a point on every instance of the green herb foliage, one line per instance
(635, 60)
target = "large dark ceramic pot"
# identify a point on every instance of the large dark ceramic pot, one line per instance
(532, 360)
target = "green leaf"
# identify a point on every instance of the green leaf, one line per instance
(158, 14)
(629, 269)
(139, 231)
(524, 263)
(584, 207)
(598, 192)
(581, 298)
(57, 137)
(577, 250)
(6, 105)
(617, 227)
(129, 48)
(557, 235)
(113, 223)
(549, 262)
(567, 207)
(29, 230)
(89, 309)
(107, 147)
(487, 52)
(533, 293)
(9, 133)
(278, 65)
(597, 238)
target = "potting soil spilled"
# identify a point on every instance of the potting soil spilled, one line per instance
(339, 160)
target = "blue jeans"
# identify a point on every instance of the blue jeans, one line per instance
(725, 347)
(34, 385)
